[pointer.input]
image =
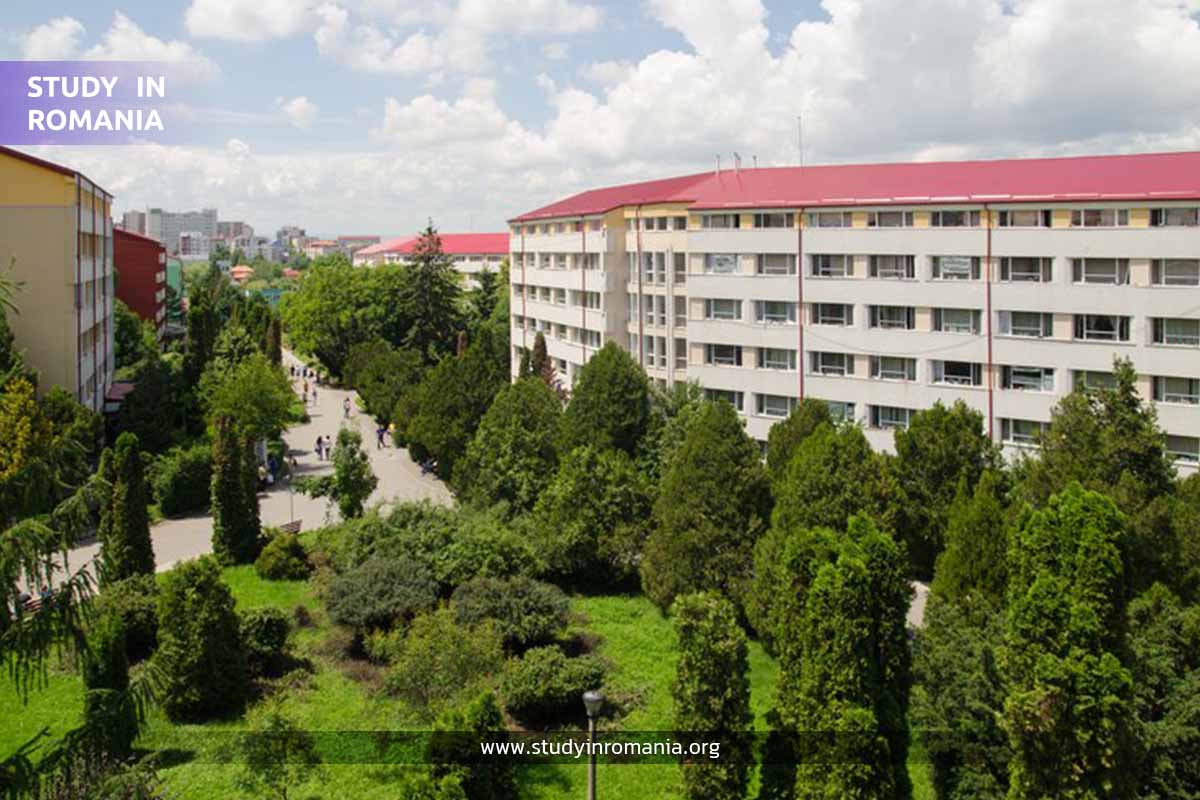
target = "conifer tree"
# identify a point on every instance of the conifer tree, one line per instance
(784, 437)
(610, 403)
(974, 561)
(712, 694)
(432, 297)
(108, 709)
(125, 522)
(234, 538)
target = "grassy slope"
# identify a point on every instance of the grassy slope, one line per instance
(637, 641)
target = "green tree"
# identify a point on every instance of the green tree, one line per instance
(832, 476)
(385, 378)
(203, 665)
(146, 412)
(432, 295)
(453, 750)
(712, 506)
(108, 709)
(712, 694)
(278, 756)
(671, 411)
(126, 549)
(940, 447)
(610, 403)
(273, 341)
(352, 480)
(130, 345)
(512, 458)
(1102, 438)
(1068, 709)
(234, 537)
(486, 294)
(784, 437)
(330, 311)
(783, 563)
(974, 562)
(541, 365)
(591, 522)
(847, 673)
(255, 393)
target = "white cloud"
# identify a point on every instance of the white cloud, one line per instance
(59, 38)
(606, 73)
(555, 51)
(248, 20)
(300, 111)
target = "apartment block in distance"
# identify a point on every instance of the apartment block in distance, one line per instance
(141, 264)
(56, 229)
(472, 252)
(884, 288)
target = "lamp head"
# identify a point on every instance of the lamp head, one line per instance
(593, 699)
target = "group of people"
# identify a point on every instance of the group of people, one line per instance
(324, 447)
(305, 374)
(382, 434)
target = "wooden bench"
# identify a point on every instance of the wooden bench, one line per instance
(291, 527)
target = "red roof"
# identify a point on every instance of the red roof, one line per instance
(1151, 176)
(118, 231)
(453, 244)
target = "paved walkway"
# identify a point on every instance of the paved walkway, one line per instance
(399, 480)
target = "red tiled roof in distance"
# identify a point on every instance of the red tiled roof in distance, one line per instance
(453, 244)
(599, 201)
(1148, 176)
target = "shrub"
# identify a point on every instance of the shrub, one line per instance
(182, 479)
(482, 546)
(546, 685)
(440, 659)
(200, 655)
(283, 559)
(109, 714)
(526, 612)
(135, 601)
(264, 633)
(380, 593)
(453, 753)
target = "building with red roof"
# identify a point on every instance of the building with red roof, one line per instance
(141, 265)
(472, 252)
(883, 288)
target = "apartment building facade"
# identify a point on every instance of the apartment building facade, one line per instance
(56, 231)
(182, 231)
(884, 288)
(141, 282)
(472, 253)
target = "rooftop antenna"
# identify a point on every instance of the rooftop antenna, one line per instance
(737, 163)
(755, 161)
(718, 163)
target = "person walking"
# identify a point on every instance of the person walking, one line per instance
(346, 407)
(314, 395)
(328, 447)
(379, 432)
(320, 448)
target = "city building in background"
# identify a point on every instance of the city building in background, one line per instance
(352, 244)
(56, 231)
(141, 266)
(883, 288)
(169, 227)
(471, 252)
(193, 246)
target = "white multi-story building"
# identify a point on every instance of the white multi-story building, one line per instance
(169, 226)
(472, 253)
(883, 288)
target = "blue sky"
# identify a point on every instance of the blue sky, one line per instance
(371, 115)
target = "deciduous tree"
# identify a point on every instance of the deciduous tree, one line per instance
(610, 403)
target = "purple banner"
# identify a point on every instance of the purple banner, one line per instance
(88, 102)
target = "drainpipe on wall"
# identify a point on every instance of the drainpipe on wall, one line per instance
(583, 284)
(78, 290)
(800, 300)
(637, 231)
(524, 290)
(987, 276)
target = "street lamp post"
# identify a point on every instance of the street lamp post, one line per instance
(593, 699)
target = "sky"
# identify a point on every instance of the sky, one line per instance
(372, 116)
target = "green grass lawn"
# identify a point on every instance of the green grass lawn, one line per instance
(638, 643)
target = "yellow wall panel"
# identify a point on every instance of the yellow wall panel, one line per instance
(858, 219)
(1060, 218)
(25, 184)
(1139, 218)
(921, 219)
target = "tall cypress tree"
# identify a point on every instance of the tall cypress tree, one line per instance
(273, 340)
(712, 694)
(108, 710)
(125, 523)
(432, 297)
(234, 537)
(250, 495)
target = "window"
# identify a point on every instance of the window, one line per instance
(1030, 270)
(833, 314)
(956, 320)
(1084, 379)
(777, 312)
(832, 363)
(679, 267)
(955, 219)
(830, 219)
(893, 317)
(723, 355)
(777, 264)
(955, 268)
(1021, 431)
(889, 219)
(1099, 217)
(1176, 272)
(1027, 379)
(1184, 448)
(1102, 327)
(776, 358)
(1175, 217)
(840, 410)
(832, 266)
(718, 221)
(895, 267)
(1114, 271)
(1182, 332)
(679, 223)
(774, 405)
(1033, 324)
(728, 395)
(1025, 218)
(893, 368)
(680, 312)
(722, 309)
(1177, 390)
(958, 373)
(775, 220)
(721, 263)
(681, 355)
(889, 417)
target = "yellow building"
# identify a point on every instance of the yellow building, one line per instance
(56, 232)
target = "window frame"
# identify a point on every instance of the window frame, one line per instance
(907, 271)
(876, 321)
(905, 373)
